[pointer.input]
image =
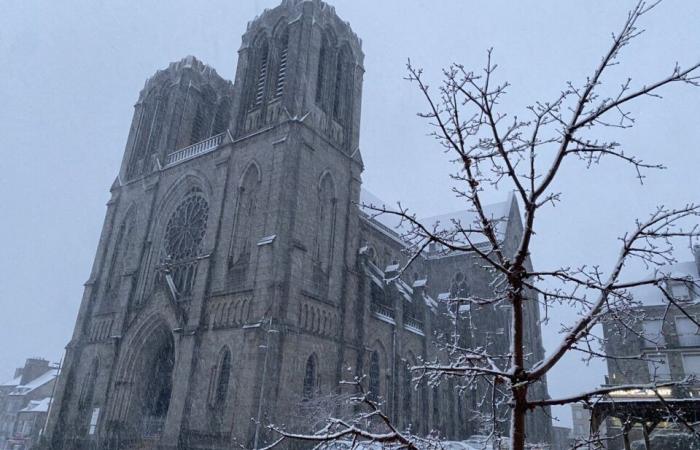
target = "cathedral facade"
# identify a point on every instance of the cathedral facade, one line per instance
(237, 282)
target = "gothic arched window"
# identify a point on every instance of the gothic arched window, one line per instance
(149, 122)
(221, 379)
(119, 253)
(283, 46)
(459, 286)
(197, 126)
(223, 114)
(344, 76)
(245, 219)
(262, 62)
(407, 394)
(374, 377)
(326, 222)
(309, 378)
(159, 381)
(324, 75)
(436, 406)
(87, 390)
(184, 234)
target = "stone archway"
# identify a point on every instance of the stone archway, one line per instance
(143, 388)
(158, 363)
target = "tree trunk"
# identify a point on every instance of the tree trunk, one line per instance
(647, 441)
(517, 426)
(626, 437)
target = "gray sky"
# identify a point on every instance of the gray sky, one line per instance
(71, 72)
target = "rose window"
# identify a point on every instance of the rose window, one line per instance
(184, 234)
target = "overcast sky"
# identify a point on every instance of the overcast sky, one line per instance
(71, 71)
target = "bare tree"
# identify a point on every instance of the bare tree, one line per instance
(494, 150)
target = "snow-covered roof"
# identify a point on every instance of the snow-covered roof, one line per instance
(465, 219)
(390, 224)
(13, 382)
(37, 405)
(498, 212)
(36, 383)
(650, 295)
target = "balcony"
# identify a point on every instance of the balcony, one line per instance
(194, 150)
(412, 323)
(382, 311)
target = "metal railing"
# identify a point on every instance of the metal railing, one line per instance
(194, 149)
(382, 310)
(412, 322)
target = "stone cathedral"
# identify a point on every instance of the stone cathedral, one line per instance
(237, 281)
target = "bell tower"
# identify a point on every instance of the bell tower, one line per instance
(300, 61)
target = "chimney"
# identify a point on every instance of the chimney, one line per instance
(33, 368)
(696, 253)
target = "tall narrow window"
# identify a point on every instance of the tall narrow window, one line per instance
(261, 78)
(282, 67)
(309, 378)
(87, 390)
(87, 393)
(436, 406)
(223, 114)
(407, 394)
(139, 158)
(326, 222)
(374, 377)
(197, 126)
(184, 234)
(116, 265)
(246, 215)
(222, 379)
(159, 382)
(343, 85)
(323, 76)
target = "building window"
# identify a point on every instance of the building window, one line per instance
(282, 65)
(223, 115)
(374, 377)
(245, 221)
(184, 234)
(261, 78)
(93, 421)
(691, 364)
(688, 332)
(119, 256)
(309, 378)
(436, 406)
(653, 333)
(197, 127)
(659, 369)
(407, 394)
(680, 291)
(87, 391)
(221, 380)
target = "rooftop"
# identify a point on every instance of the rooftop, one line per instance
(37, 405)
(651, 295)
(449, 223)
(36, 383)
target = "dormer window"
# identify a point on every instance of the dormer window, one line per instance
(680, 290)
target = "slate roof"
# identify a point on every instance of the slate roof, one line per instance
(463, 219)
(36, 383)
(650, 295)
